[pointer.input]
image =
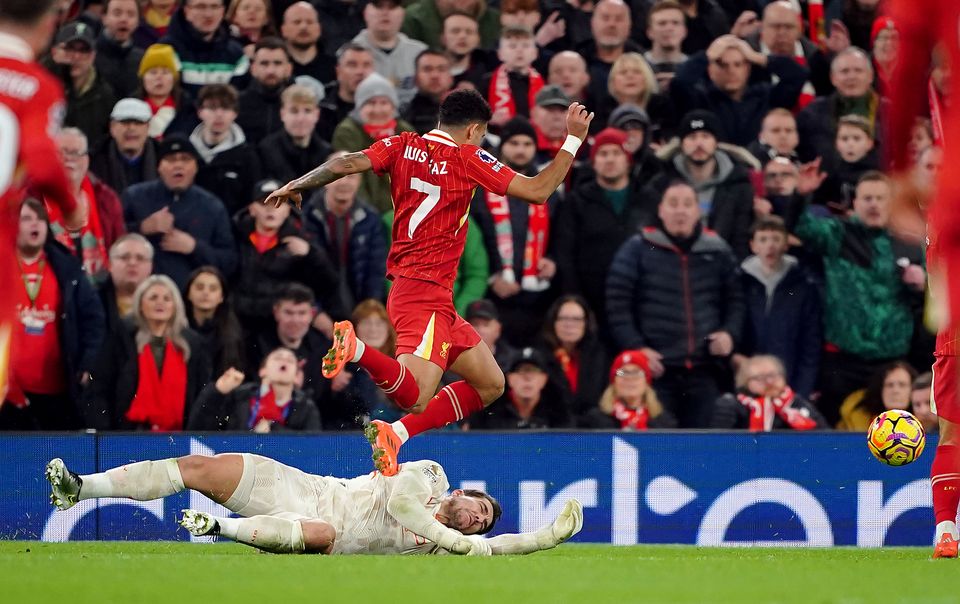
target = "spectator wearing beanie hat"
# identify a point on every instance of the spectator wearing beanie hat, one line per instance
(885, 44)
(635, 122)
(629, 403)
(594, 220)
(160, 87)
(373, 118)
(722, 184)
(516, 235)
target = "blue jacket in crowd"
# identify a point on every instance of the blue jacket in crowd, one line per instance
(195, 211)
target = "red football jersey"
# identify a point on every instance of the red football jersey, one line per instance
(432, 180)
(923, 26)
(31, 108)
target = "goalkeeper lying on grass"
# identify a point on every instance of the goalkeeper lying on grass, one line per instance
(285, 510)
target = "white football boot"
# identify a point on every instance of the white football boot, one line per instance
(199, 523)
(64, 484)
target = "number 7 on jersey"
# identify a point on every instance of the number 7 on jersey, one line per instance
(426, 206)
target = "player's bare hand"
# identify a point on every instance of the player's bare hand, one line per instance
(655, 360)
(297, 246)
(229, 381)
(810, 177)
(262, 427)
(284, 194)
(720, 344)
(578, 120)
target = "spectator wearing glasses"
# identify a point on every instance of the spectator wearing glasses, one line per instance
(576, 358)
(131, 261)
(629, 402)
(104, 213)
(764, 401)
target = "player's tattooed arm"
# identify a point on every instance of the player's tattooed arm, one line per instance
(324, 174)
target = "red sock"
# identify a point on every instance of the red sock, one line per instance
(945, 481)
(452, 403)
(389, 375)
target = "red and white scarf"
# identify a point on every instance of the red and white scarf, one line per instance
(161, 395)
(630, 418)
(936, 113)
(93, 249)
(808, 92)
(538, 226)
(763, 409)
(265, 406)
(818, 23)
(500, 95)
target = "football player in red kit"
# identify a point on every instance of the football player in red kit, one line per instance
(432, 179)
(31, 106)
(926, 25)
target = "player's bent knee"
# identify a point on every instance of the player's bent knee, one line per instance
(318, 536)
(491, 389)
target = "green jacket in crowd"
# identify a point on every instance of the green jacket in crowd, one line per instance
(349, 136)
(868, 310)
(422, 22)
(473, 271)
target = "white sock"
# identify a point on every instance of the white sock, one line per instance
(143, 481)
(359, 351)
(271, 534)
(401, 431)
(946, 527)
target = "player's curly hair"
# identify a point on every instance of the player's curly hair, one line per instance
(494, 505)
(464, 107)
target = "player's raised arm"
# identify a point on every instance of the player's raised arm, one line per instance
(537, 189)
(324, 174)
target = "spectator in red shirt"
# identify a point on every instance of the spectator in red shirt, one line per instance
(59, 329)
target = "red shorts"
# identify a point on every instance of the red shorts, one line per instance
(944, 399)
(427, 324)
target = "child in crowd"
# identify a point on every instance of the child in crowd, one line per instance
(512, 87)
(854, 156)
(275, 403)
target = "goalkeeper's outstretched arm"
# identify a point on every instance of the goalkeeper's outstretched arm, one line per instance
(567, 524)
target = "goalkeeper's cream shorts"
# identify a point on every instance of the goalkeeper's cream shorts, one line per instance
(270, 488)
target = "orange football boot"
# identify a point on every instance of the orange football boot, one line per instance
(946, 547)
(386, 446)
(342, 351)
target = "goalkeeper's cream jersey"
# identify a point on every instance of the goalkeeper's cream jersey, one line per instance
(357, 508)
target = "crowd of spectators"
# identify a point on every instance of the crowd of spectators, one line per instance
(720, 255)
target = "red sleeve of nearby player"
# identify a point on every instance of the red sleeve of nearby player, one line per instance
(384, 152)
(916, 20)
(38, 125)
(486, 170)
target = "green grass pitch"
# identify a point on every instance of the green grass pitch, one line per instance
(141, 572)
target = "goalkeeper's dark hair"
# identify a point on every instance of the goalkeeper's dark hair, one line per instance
(24, 12)
(494, 506)
(464, 107)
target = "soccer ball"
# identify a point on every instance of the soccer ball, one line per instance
(896, 437)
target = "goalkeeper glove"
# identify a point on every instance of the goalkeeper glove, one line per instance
(568, 523)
